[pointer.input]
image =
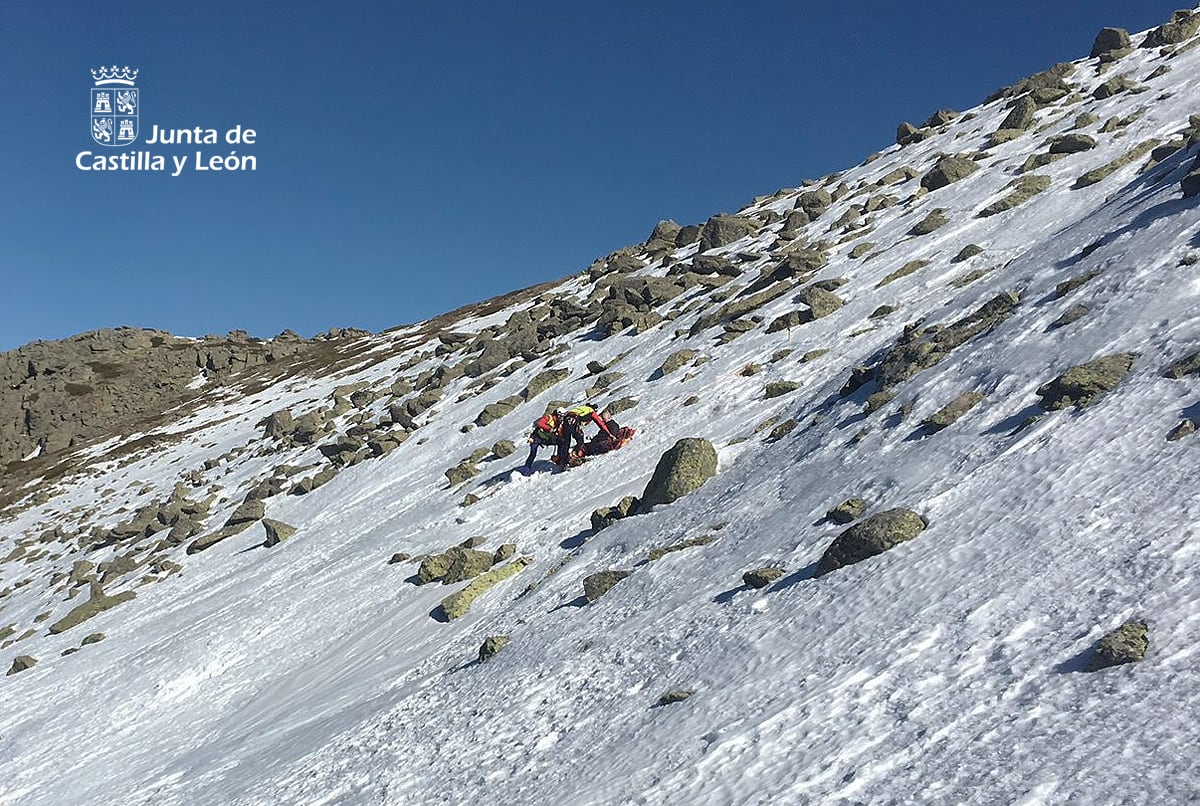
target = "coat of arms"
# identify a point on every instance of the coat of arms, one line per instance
(114, 106)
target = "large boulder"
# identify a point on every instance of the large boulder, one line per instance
(1081, 385)
(682, 470)
(1110, 39)
(948, 170)
(872, 536)
(1020, 117)
(721, 230)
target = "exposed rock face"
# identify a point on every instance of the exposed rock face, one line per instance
(875, 535)
(55, 394)
(1081, 385)
(680, 471)
(1126, 644)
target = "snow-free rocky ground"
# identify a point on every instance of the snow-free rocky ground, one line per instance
(947, 670)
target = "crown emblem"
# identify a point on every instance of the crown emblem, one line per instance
(114, 75)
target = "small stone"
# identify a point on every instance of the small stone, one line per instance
(672, 697)
(399, 557)
(491, 645)
(761, 577)
(22, 663)
(1126, 644)
(848, 511)
(277, 531)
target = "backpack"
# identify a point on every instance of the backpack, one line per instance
(546, 426)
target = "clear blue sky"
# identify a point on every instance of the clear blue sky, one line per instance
(413, 158)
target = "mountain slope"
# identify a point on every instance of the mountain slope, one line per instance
(946, 670)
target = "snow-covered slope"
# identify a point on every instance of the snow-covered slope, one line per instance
(946, 670)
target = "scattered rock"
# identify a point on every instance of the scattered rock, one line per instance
(948, 170)
(503, 448)
(722, 230)
(680, 471)
(1024, 189)
(606, 516)
(506, 551)
(657, 554)
(277, 531)
(1126, 644)
(932, 222)
(952, 411)
(761, 577)
(544, 380)
(872, 536)
(96, 604)
(1069, 316)
(597, 584)
(848, 511)
(675, 361)
(1067, 286)
(94, 638)
(1021, 116)
(1081, 385)
(399, 557)
(672, 697)
(1188, 365)
(246, 514)
(458, 604)
(493, 644)
(466, 563)
(1072, 143)
(780, 388)
(1186, 427)
(1182, 27)
(21, 663)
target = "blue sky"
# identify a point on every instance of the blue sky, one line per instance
(413, 158)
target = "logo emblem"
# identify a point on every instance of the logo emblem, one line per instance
(115, 103)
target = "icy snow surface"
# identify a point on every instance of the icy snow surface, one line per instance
(947, 670)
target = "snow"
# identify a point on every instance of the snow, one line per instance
(947, 670)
